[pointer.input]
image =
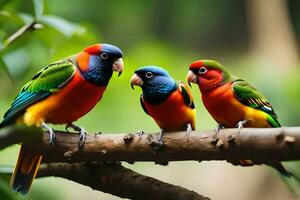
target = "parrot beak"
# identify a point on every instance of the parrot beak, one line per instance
(191, 77)
(135, 80)
(118, 66)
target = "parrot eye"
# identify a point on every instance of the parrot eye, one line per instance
(202, 70)
(104, 55)
(149, 75)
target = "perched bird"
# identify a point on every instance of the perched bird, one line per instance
(169, 104)
(231, 101)
(60, 93)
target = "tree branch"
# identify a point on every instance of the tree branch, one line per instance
(17, 134)
(110, 178)
(27, 27)
(117, 180)
(230, 144)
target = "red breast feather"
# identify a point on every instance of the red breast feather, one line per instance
(172, 114)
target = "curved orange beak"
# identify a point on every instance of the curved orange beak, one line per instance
(191, 77)
(136, 80)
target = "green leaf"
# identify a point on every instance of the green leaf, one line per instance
(26, 18)
(17, 17)
(38, 8)
(3, 2)
(63, 26)
(4, 67)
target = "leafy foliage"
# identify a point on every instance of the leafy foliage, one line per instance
(59, 24)
(38, 8)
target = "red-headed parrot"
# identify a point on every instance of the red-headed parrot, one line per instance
(231, 101)
(168, 103)
(60, 93)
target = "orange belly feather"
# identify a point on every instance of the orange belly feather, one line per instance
(67, 105)
(222, 104)
(172, 114)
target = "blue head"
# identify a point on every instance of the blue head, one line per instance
(103, 59)
(156, 83)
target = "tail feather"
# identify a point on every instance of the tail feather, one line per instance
(281, 169)
(294, 182)
(276, 165)
(25, 171)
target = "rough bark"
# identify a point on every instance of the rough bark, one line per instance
(17, 134)
(268, 144)
(117, 180)
(110, 178)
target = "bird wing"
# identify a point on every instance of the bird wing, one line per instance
(44, 83)
(250, 96)
(187, 95)
(185, 92)
(143, 104)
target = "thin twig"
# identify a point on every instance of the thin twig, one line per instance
(19, 33)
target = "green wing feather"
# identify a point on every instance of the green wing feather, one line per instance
(250, 96)
(187, 95)
(44, 83)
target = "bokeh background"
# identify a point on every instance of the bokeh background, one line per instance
(257, 40)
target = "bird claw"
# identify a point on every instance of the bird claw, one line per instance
(160, 140)
(241, 124)
(188, 129)
(67, 128)
(157, 144)
(140, 134)
(52, 136)
(82, 132)
(82, 138)
(219, 127)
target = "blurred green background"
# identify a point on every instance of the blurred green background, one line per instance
(257, 40)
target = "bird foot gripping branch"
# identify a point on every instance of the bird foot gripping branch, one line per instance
(241, 124)
(188, 129)
(81, 131)
(51, 133)
(219, 127)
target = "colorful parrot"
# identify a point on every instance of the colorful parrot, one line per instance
(231, 101)
(60, 93)
(169, 104)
